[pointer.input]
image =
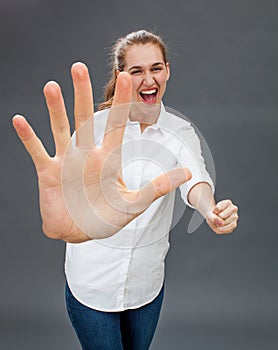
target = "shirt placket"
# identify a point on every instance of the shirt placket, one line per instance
(123, 295)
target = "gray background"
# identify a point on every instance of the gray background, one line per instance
(221, 292)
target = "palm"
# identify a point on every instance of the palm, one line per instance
(82, 193)
(55, 216)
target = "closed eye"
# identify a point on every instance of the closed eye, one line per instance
(137, 71)
(156, 69)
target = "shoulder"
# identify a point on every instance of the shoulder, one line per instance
(102, 113)
(100, 118)
(176, 122)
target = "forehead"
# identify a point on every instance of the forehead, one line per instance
(143, 55)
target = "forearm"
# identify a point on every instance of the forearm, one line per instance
(201, 198)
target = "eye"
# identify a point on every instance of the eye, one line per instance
(157, 69)
(136, 72)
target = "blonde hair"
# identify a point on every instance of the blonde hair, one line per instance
(118, 54)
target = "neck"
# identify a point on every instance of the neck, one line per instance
(144, 114)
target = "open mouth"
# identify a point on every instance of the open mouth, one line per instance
(149, 96)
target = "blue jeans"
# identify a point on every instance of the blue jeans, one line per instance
(126, 330)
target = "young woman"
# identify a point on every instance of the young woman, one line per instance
(117, 233)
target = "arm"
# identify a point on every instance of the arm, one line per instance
(221, 217)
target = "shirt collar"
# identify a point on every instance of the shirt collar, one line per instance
(161, 120)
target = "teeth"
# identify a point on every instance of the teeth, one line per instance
(148, 92)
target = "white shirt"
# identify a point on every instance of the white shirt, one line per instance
(126, 271)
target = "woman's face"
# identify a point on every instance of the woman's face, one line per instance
(149, 72)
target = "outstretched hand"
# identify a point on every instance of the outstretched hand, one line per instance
(103, 204)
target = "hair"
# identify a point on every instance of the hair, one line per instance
(118, 58)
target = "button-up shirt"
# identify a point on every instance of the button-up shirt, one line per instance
(126, 271)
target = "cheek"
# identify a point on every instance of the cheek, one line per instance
(162, 79)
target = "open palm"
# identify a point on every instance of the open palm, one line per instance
(82, 192)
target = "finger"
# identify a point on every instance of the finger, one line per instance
(228, 212)
(214, 220)
(222, 205)
(135, 202)
(83, 103)
(138, 201)
(58, 116)
(123, 89)
(167, 182)
(170, 180)
(118, 114)
(232, 218)
(31, 142)
(226, 229)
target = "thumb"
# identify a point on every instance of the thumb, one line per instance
(167, 182)
(216, 210)
(155, 189)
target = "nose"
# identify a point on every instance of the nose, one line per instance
(148, 79)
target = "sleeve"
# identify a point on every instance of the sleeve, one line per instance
(190, 156)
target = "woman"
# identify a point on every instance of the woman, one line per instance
(117, 232)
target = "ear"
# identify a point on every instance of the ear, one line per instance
(168, 70)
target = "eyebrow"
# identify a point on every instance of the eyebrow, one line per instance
(153, 65)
